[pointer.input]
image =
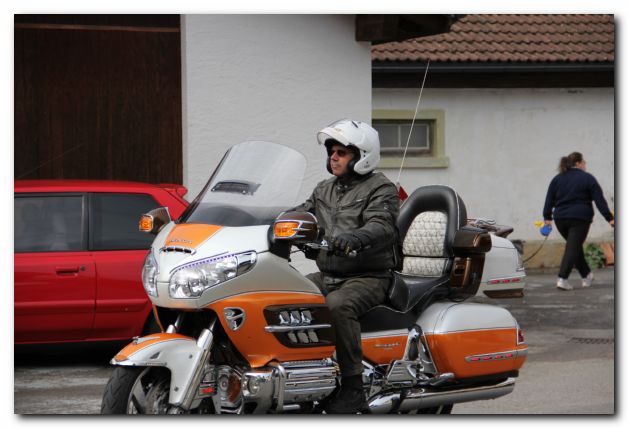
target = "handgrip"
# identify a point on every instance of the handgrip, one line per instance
(326, 247)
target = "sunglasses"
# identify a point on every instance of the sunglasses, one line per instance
(340, 152)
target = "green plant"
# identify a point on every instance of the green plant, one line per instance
(594, 256)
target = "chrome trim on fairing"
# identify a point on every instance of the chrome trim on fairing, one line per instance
(285, 328)
(497, 356)
(387, 333)
(235, 317)
(177, 249)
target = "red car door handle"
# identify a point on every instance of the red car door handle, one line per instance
(68, 270)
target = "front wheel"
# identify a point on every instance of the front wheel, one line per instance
(136, 390)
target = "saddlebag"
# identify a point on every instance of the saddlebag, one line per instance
(473, 340)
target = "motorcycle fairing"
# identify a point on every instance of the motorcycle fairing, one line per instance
(188, 237)
(270, 273)
(252, 338)
(385, 346)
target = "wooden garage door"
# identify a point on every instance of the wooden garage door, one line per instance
(98, 97)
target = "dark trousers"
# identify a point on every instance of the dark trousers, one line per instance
(347, 301)
(575, 232)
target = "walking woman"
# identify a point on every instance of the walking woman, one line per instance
(568, 203)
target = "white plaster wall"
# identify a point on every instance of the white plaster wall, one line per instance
(504, 146)
(268, 77)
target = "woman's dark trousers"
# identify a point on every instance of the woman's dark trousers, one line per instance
(575, 232)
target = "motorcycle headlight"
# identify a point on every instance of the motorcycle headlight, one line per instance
(191, 280)
(149, 274)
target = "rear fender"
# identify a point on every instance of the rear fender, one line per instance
(178, 353)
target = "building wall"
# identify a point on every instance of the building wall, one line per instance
(268, 77)
(504, 146)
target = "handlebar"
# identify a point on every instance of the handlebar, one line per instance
(324, 246)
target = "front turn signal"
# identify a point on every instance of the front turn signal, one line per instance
(286, 229)
(146, 223)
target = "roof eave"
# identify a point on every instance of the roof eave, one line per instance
(492, 67)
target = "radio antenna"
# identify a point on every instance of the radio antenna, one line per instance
(27, 173)
(416, 110)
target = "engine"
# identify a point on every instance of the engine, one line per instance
(281, 387)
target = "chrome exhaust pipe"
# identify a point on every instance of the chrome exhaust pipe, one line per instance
(421, 399)
(384, 403)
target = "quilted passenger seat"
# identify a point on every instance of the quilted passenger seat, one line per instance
(427, 223)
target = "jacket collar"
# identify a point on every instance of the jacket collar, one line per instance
(351, 179)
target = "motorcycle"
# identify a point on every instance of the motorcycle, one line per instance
(242, 331)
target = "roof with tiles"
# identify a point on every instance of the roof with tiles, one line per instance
(512, 39)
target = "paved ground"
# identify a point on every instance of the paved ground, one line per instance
(570, 367)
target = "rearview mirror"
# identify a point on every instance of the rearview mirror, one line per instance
(154, 220)
(296, 226)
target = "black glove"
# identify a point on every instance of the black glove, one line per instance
(344, 243)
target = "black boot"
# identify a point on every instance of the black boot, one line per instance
(349, 398)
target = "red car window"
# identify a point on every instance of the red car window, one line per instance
(114, 220)
(48, 223)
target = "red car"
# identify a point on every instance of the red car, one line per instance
(78, 258)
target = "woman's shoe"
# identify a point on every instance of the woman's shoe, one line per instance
(586, 282)
(563, 284)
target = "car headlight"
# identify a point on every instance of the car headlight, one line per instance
(149, 274)
(191, 280)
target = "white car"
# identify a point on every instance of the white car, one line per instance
(498, 280)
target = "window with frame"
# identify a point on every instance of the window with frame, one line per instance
(114, 221)
(393, 136)
(48, 223)
(426, 146)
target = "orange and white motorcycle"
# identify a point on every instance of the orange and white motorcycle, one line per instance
(244, 332)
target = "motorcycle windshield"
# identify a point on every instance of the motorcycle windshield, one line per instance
(254, 182)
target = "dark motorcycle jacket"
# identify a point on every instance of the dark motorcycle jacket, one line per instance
(368, 207)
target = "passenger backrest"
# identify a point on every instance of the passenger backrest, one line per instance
(428, 221)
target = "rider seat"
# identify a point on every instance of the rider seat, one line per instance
(428, 222)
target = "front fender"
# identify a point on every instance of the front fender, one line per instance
(178, 353)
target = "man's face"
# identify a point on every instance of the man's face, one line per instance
(340, 158)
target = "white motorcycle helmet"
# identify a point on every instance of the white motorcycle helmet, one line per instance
(352, 133)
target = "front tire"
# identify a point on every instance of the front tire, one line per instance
(130, 390)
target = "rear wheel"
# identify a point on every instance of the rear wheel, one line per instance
(444, 409)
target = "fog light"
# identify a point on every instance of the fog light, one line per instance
(253, 385)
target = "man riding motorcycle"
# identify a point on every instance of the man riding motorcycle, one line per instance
(245, 333)
(357, 209)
